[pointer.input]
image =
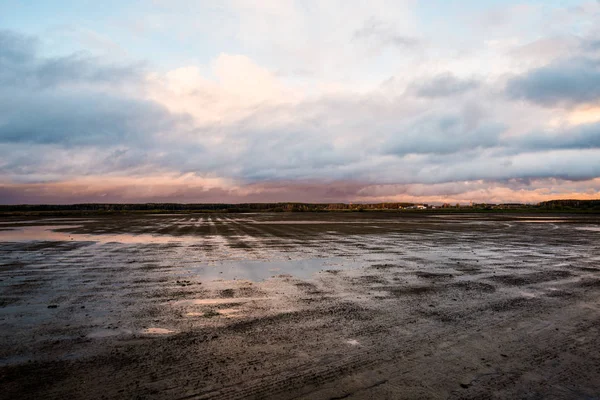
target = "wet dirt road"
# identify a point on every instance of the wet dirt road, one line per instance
(300, 306)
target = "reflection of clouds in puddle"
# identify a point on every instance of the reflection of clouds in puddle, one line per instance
(231, 300)
(539, 218)
(105, 333)
(51, 233)
(194, 314)
(528, 295)
(21, 222)
(157, 331)
(589, 228)
(540, 221)
(225, 312)
(39, 232)
(323, 222)
(259, 270)
(51, 220)
(229, 312)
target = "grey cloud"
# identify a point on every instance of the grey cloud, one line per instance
(16, 49)
(67, 113)
(81, 68)
(581, 137)
(298, 152)
(593, 45)
(569, 82)
(444, 135)
(443, 85)
(434, 147)
(571, 165)
(279, 191)
(21, 67)
(81, 119)
(384, 34)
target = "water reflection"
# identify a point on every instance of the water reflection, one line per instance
(259, 270)
(541, 221)
(52, 233)
(589, 228)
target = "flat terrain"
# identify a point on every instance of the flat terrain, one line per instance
(300, 306)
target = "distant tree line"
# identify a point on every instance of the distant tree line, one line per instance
(209, 207)
(590, 205)
(553, 205)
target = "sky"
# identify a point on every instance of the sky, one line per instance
(285, 100)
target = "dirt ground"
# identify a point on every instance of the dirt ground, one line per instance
(300, 306)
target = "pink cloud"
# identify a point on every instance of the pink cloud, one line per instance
(198, 190)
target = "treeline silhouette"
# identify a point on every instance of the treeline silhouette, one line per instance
(553, 205)
(571, 205)
(216, 207)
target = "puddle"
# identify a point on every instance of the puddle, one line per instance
(51, 233)
(540, 221)
(157, 331)
(528, 295)
(229, 300)
(589, 228)
(20, 222)
(538, 218)
(38, 232)
(337, 222)
(259, 270)
(105, 333)
(229, 312)
(194, 314)
(48, 220)
(300, 222)
(224, 312)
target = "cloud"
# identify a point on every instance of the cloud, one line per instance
(66, 100)
(234, 127)
(381, 33)
(16, 49)
(79, 68)
(543, 51)
(444, 85)
(21, 67)
(562, 83)
(82, 119)
(190, 189)
(585, 136)
(593, 45)
(443, 135)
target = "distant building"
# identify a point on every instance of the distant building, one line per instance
(416, 207)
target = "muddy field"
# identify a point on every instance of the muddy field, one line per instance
(300, 306)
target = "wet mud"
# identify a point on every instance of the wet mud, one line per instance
(300, 306)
